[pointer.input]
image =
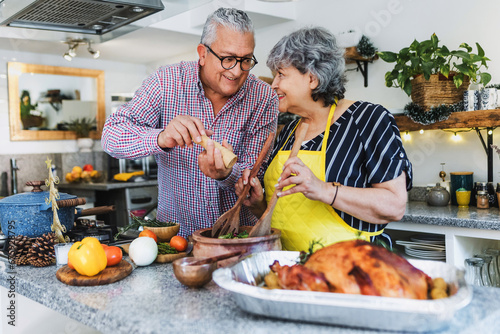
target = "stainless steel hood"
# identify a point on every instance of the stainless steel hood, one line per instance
(94, 17)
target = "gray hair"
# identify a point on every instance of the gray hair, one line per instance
(232, 18)
(313, 50)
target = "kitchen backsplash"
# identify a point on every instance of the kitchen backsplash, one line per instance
(32, 166)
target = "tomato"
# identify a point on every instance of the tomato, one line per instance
(113, 255)
(88, 167)
(148, 233)
(179, 243)
(70, 265)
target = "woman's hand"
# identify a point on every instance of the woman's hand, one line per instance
(296, 172)
(255, 199)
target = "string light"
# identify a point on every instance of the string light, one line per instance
(407, 136)
(421, 131)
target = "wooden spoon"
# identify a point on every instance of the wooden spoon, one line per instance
(263, 225)
(229, 222)
(212, 259)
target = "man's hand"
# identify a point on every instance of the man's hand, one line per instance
(181, 131)
(211, 162)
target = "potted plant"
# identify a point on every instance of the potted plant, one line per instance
(426, 68)
(82, 127)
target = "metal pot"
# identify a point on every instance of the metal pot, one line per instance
(28, 214)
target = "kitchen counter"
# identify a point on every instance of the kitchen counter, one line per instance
(151, 300)
(106, 186)
(451, 215)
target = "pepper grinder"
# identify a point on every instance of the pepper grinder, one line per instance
(442, 174)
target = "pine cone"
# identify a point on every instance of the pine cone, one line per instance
(19, 248)
(42, 252)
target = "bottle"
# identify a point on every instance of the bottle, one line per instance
(492, 196)
(482, 200)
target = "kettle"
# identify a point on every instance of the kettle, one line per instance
(438, 196)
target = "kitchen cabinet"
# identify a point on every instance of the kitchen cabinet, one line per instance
(467, 232)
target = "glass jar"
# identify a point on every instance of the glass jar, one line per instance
(478, 186)
(485, 269)
(494, 272)
(482, 200)
(473, 267)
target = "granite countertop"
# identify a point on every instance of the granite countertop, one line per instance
(151, 300)
(451, 215)
(106, 186)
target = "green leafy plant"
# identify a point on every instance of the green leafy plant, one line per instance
(428, 57)
(82, 126)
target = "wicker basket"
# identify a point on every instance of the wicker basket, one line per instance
(436, 91)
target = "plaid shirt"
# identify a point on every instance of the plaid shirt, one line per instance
(185, 194)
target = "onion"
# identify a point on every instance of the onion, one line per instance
(143, 251)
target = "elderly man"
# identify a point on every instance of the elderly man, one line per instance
(179, 103)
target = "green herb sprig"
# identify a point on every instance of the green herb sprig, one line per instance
(138, 222)
(240, 235)
(304, 256)
(165, 248)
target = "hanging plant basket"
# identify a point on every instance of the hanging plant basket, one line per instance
(436, 91)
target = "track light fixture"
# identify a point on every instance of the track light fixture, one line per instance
(73, 45)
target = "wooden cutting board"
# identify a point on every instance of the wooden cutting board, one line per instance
(109, 275)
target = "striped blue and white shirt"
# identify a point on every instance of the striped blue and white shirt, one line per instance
(364, 147)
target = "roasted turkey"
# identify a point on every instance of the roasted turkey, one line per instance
(356, 267)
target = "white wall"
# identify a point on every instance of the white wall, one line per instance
(119, 78)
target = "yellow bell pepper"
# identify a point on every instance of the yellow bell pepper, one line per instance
(88, 257)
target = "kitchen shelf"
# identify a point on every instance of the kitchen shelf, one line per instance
(457, 120)
(352, 56)
(476, 119)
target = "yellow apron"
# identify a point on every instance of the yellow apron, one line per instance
(300, 219)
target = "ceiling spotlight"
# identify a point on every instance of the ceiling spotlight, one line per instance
(73, 45)
(67, 56)
(94, 53)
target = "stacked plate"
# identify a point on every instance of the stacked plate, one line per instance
(429, 247)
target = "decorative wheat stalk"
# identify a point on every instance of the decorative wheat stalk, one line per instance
(50, 183)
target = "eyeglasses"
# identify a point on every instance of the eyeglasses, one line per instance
(246, 64)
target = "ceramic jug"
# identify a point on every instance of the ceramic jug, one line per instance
(438, 196)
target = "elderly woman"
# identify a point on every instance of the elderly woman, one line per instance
(351, 175)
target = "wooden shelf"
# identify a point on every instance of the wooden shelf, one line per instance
(457, 120)
(352, 56)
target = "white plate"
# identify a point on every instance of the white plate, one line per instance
(419, 245)
(428, 239)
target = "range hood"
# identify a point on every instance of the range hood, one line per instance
(95, 17)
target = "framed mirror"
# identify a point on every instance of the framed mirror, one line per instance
(43, 99)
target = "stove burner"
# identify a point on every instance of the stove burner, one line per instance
(91, 228)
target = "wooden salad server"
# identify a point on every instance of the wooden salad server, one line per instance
(263, 225)
(229, 222)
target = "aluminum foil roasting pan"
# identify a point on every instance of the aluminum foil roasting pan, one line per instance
(383, 313)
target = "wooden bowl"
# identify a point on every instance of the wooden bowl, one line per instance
(206, 246)
(164, 234)
(193, 276)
